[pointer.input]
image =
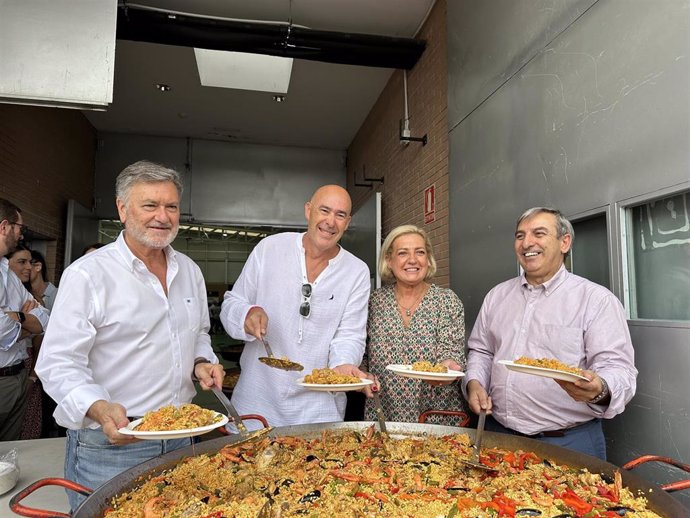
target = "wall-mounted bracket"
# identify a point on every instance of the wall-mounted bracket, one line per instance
(406, 137)
(370, 180)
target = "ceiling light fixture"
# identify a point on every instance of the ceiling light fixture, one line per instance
(279, 98)
(163, 87)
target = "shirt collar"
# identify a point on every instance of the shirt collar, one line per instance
(335, 260)
(551, 285)
(132, 260)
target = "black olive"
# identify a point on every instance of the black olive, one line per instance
(621, 510)
(547, 463)
(456, 489)
(206, 499)
(564, 515)
(310, 497)
(310, 458)
(528, 512)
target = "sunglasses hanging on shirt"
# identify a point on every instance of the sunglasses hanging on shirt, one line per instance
(305, 307)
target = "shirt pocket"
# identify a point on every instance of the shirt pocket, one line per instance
(193, 313)
(565, 344)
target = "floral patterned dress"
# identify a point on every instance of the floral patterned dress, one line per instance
(436, 333)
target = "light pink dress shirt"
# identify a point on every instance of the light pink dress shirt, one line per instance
(568, 318)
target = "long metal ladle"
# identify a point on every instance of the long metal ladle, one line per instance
(278, 363)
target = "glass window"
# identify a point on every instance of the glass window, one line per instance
(659, 258)
(589, 257)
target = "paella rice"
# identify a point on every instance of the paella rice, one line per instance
(329, 377)
(548, 363)
(368, 474)
(425, 366)
(171, 417)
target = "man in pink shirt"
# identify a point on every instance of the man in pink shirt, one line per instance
(548, 312)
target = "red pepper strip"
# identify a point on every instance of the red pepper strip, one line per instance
(510, 458)
(572, 500)
(525, 457)
(361, 494)
(217, 514)
(605, 492)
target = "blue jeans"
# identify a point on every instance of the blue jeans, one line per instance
(586, 438)
(91, 460)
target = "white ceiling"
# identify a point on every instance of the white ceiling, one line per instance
(325, 105)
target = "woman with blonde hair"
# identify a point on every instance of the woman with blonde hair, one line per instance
(411, 320)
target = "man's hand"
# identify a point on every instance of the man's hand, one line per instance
(347, 369)
(477, 397)
(209, 375)
(256, 322)
(29, 305)
(452, 365)
(582, 390)
(112, 417)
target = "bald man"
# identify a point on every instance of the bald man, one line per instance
(307, 297)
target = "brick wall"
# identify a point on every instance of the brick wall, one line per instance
(408, 170)
(46, 158)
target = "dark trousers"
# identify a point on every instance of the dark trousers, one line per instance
(12, 405)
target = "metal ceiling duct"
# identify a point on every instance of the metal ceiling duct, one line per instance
(274, 39)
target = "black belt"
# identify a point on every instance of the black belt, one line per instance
(12, 370)
(553, 433)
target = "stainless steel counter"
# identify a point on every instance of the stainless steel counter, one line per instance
(40, 458)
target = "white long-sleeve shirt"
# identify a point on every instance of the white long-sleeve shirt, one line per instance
(12, 296)
(332, 335)
(114, 335)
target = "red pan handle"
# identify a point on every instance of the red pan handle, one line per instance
(464, 418)
(22, 510)
(256, 417)
(673, 486)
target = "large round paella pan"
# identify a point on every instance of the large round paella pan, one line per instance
(100, 501)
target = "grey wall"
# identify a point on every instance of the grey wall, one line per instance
(225, 182)
(583, 105)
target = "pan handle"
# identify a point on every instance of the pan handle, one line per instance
(256, 417)
(673, 486)
(22, 510)
(464, 418)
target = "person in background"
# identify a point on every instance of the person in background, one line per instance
(127, 334)
(91, 248)
(20, 317)
(20, 264)
(45, 292)
(412, 320)
(547, 312)
(306, 296)
(41, 288)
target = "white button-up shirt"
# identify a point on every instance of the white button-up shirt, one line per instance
(114, 335)
(332, 335)
(12, 296)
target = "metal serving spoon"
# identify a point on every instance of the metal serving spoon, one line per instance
(234, 414)
(474, 462)
(379, 409)
(278, 363)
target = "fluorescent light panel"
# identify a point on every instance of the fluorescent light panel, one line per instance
(243, 71)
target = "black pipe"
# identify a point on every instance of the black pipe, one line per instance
(271, 39)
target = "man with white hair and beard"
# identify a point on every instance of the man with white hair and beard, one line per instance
(128, 333)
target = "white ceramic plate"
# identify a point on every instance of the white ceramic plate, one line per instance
(343, 387)
(542, 371)
(406, 370)
(171, 434)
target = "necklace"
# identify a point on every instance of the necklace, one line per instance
(408, 311)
